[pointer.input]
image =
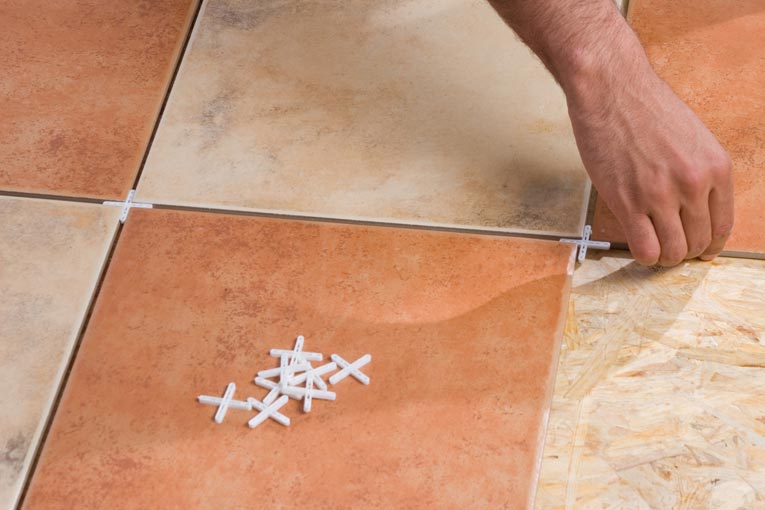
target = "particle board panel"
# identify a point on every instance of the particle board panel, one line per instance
(659, 396)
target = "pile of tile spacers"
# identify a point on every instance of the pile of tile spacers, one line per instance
(296, 378)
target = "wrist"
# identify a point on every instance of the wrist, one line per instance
(590, 70)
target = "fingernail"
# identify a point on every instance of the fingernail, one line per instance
(707, 258)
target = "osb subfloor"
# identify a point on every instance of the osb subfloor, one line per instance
(659, 399)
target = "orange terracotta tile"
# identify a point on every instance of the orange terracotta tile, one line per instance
(80, 91)
(712, 54)
(464, 332)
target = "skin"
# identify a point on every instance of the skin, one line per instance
(653, 161)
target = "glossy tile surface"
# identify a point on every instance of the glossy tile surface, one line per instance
(51, 255)
(660, 394)
(463, 332)
(80, 90)
(407, 111)
(712, 54)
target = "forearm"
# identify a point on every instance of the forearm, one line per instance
(579, 41)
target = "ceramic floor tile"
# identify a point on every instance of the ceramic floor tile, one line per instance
(660, 395)
(712, 54)
(462, 330)
(80, 91)
(407, 111)
(51, 255)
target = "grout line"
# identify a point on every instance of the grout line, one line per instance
(168, 90)
(369, 223)
(58, 198)
(69, 365)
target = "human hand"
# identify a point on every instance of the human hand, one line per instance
(653, 161)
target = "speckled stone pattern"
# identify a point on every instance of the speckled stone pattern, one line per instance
(712, 53)
(51, 255)
(81, 86)
(463, 331)
(419, 112)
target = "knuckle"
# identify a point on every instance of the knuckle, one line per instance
(698, 246)
(673, 256)
(659, 193)
(693, 181)
(645, 254)
(720, 164)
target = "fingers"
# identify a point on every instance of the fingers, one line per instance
(697, 227)
(669, 230)
(721, 212)
(642, 239)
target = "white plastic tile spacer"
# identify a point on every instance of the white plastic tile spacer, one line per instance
(297, 392)
(298, 348)
(127, 205)
(285, 376)
(265, 383)
(268, 399)
(316, 374)
(270, 385)
(297, 355)
(350, 369)
(308, 398)
(224, 403)
(275, 372)
(268, 411)
(217, 401)
(584, 243)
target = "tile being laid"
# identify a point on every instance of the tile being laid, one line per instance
(463, 331)
(660, 395)
(712, 54)
(80, 90)
(419, 112)
(51, 255)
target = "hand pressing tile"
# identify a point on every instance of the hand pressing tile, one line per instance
(711, 53)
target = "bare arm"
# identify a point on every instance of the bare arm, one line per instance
(656, 165)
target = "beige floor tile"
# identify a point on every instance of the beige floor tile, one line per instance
(51, 255)
(411, 111)
(660, 396)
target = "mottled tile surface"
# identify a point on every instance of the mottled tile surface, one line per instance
(660, 394)
(712, 53)
(414, 111)
(463, 331)
(80, 90)
(51, 255)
